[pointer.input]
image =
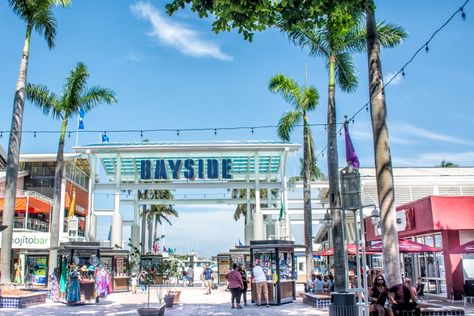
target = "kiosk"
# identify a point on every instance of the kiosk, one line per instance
(276, 257)
(223, 267)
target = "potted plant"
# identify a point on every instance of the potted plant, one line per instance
(149, 267)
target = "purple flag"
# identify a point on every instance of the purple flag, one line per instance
(351, 155)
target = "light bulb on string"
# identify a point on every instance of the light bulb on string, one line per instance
(367, 108)
(69, 134)
(177, 132)
(252, 130)
(141, 134)
(34, 135)
(427, 49)
(463, 15)
(403, 72)
(215, 131)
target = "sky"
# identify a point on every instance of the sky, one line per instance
(176, 73)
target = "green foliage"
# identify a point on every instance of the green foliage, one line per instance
(75, 95)
(38, 14)
(250, 16)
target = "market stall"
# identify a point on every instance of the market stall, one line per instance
(276, 257)
(223, 267)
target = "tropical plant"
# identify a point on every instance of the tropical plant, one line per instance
(155, 214)
(38, 16)
(304, 100)
(76, 96)
(315, 174)
(448, 164)
(336, 47)
(241, 209)
(383, 160)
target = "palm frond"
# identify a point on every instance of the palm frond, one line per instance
(96, 95)
(75, 85)
(345, 73)
(45, 24)
(45, 100)
(303, 37)
(288, 88)
(310, 99)
(390, 35)
(287, 124)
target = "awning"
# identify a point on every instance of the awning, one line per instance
(35, 205)
(405, 246)
(351, 250)
(464, 248)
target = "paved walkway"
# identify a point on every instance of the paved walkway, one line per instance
(193, 302)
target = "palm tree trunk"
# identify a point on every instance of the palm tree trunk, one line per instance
(55, 225)
(340, 283)
(143, 231)
(155, 230)
(308, 218)
(150, 232)
(383, 161)
(13, 161)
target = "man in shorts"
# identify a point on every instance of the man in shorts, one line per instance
(260, 284)
(207, 273)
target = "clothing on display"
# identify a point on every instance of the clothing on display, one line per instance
(104, 283)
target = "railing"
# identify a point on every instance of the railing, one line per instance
(24, 193)
(32, 224)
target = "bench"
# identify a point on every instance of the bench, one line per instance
(316, 300)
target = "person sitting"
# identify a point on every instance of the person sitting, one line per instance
(404, 298)
(311, 284)
(319, 284)
(378, 295)
(420, 287)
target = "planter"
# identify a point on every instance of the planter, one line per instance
(169, 299)
(176, 294)
(160, 311)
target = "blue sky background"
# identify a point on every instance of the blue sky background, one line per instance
(174, 72)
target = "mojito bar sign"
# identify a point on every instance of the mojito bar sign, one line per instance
(189, 169)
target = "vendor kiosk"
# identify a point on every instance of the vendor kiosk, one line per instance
(223, 267)
(276, 257)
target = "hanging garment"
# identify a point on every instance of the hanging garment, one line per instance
(63, 277)
(104, 284)
(74, 293)
(54, 292)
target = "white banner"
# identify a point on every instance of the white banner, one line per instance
(30, 240)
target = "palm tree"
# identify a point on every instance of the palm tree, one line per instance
(76, 96)
(38, 16)
(316, 173)
(304, 100)
(155, 214)
(448, 164)
(383, 160)
(336, 46)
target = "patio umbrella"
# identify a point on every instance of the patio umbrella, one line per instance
(464, 248)
(351, 250)
(405, 246)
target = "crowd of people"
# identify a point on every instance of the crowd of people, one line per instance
(383, 300)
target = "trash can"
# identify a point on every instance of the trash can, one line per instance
(343, 304)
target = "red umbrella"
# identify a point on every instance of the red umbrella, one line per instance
(405, 246)
(351, 250)
(464, 248)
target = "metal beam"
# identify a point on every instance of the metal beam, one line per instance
(187, 185)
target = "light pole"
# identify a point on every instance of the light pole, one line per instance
(343, 303)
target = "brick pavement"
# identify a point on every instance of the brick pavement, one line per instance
(193, 302)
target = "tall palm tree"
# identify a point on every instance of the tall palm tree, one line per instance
(315, 174)
(37, 15)
(336, 47)
(304, 100)
(75, 96)
(155, 214)
(383, 160)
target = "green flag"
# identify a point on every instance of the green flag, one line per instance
(282, 209)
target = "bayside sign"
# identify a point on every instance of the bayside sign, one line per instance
(165, 169)
(30, 240)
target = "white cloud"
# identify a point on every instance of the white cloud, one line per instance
(135, 56)
(420, 132)
(175, 35)
(396, 81)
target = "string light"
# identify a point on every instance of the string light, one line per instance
(427, 48)
(215, 131)
(34, 135)
(69, 134)
(177, 132)
(463, 15)
(252, 130)
(141, 134)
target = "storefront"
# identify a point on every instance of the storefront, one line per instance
(443, 222)
(276, 257)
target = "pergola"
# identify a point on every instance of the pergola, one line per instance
(200, 166)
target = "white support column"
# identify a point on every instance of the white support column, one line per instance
(116, 234)
(91, 224)
(248, 221)
(258, 226)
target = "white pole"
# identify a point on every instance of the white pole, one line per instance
(364, 263)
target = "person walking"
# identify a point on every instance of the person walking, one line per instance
(260, 284)
(190, 275)
(207, 273)
(142, 281)
(134, 282)
(245, 283)
(235, 285)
